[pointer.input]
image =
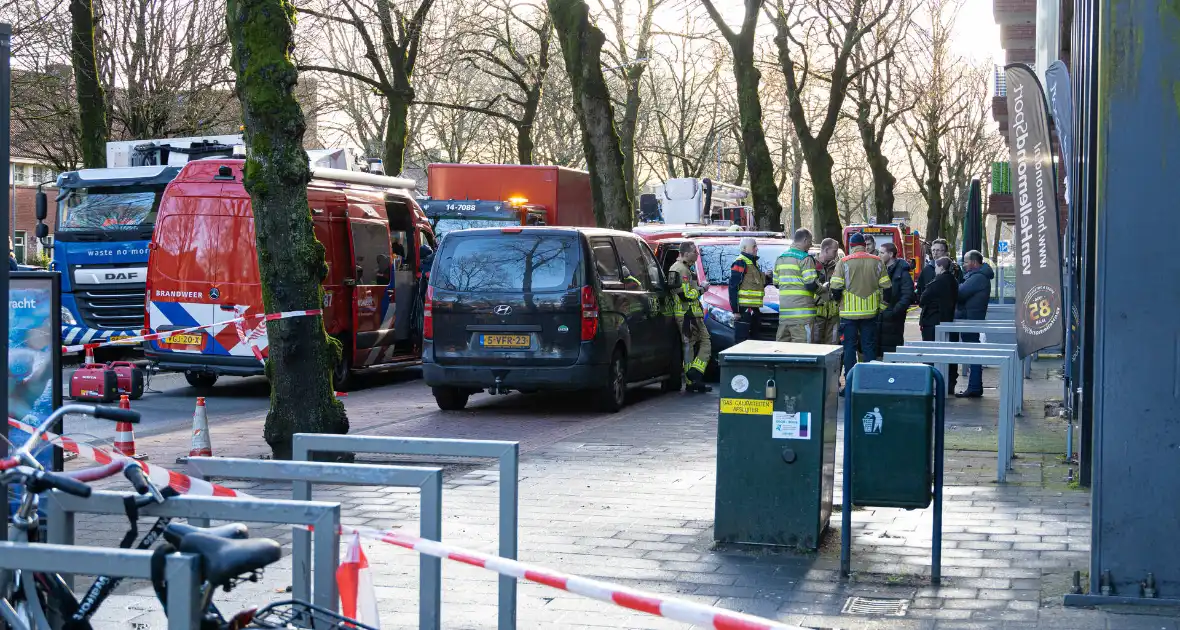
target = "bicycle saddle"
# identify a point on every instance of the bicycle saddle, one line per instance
(175, 532)
(224, 559)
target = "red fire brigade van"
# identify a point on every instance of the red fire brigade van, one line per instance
(203, 270)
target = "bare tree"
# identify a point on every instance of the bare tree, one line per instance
(948, 127)
(767, 209)
(629, 54)
(390, 34)
(558, 134)
(581, 44)
(166, 67)
(878, 102)
(808, 34)
(510, 45)
(290, 259)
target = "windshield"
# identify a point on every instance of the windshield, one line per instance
(108, 208)
(718, 259)
(450, 224)
(514, 263)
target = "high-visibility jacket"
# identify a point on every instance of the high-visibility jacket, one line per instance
(795, 276)
(861, 276)
(687, 290)
(752, 289)
(826, 306)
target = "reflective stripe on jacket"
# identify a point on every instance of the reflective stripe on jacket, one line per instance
(861, 276)
(793, 271)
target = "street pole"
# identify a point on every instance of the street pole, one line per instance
(5, 158)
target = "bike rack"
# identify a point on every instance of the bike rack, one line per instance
(508, 454)
(182, 571)
(427, 480)
(322, 517)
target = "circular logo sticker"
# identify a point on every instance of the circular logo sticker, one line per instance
(740, 384)
(214, 293)
(1042, 308)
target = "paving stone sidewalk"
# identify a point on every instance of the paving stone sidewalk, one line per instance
(630, 499)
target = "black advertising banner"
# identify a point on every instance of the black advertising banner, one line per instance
(1037, 240)
(1057, 85)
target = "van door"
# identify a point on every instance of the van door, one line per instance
(373, 290)
(643, 292)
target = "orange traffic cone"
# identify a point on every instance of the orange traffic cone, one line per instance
(201, 447)
(125, 434)
(89, 356)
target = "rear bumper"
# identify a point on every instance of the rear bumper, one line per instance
(583, 374)
(208, 364)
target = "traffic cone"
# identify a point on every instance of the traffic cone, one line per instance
(201, 447)
(125, 433)
(89, 356)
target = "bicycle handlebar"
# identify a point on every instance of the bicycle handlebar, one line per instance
(40, 481)
(134, 473)
(116, 414)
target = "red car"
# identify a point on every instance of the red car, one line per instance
(717, 254)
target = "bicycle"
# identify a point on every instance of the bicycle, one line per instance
(40, 601)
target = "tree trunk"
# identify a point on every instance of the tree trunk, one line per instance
(92, 106)
(768, 211)
(290, 260)
(627, 138)
(581, 45)
(524, 129)
(883, 184)
(796, 182)
(396, 132)
(935, 219)
(825, 209)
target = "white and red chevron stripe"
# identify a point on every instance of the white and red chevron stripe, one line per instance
(652, 604)
(158, 475)
(268, 317)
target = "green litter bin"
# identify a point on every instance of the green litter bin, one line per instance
(892, 434)
(776, 443)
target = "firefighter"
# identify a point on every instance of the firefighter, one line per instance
(859, 280)
(796, 277)
(827, 308)
(747, 290)
(690, 317)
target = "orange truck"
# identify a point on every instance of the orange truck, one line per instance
(563, 193)
(909, 243)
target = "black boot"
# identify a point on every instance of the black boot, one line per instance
(695, 382)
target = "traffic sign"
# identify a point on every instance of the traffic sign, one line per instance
(1003, 249)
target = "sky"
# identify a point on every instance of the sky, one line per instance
(977, 35)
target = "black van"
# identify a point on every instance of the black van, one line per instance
(547, 308)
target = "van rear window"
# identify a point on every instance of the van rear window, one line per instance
(508, 262)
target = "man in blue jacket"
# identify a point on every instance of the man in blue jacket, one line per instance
(974, 293)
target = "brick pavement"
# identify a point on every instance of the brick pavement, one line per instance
(630, 498)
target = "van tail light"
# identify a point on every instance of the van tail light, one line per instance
(589, 314)
(428, 315)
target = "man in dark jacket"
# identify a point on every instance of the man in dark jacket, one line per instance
(939, 300)
(938, 249)
(974, 293)
(898, 299)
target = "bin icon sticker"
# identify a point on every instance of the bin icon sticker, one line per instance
(872, 421)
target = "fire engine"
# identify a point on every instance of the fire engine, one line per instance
(909, 243)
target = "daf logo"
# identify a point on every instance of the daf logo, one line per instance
(115, 276)
(214, 293)
(502, 310)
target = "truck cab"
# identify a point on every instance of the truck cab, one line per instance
(448, 215)
(203, 272)
(909, 243)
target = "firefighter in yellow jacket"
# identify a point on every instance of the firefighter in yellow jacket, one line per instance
(827, 308)
(796, 277)
(859, 279)
(682, 278)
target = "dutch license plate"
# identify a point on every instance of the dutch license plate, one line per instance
(185, 340)
(506, 341)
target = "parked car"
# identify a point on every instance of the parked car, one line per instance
(717, 254)
(548, 308)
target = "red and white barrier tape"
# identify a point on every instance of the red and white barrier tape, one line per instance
(652, 604)
(158, 475)
(240, 327)
(268, 317)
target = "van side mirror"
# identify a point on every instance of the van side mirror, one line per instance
(42, 230)
(42, 206)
